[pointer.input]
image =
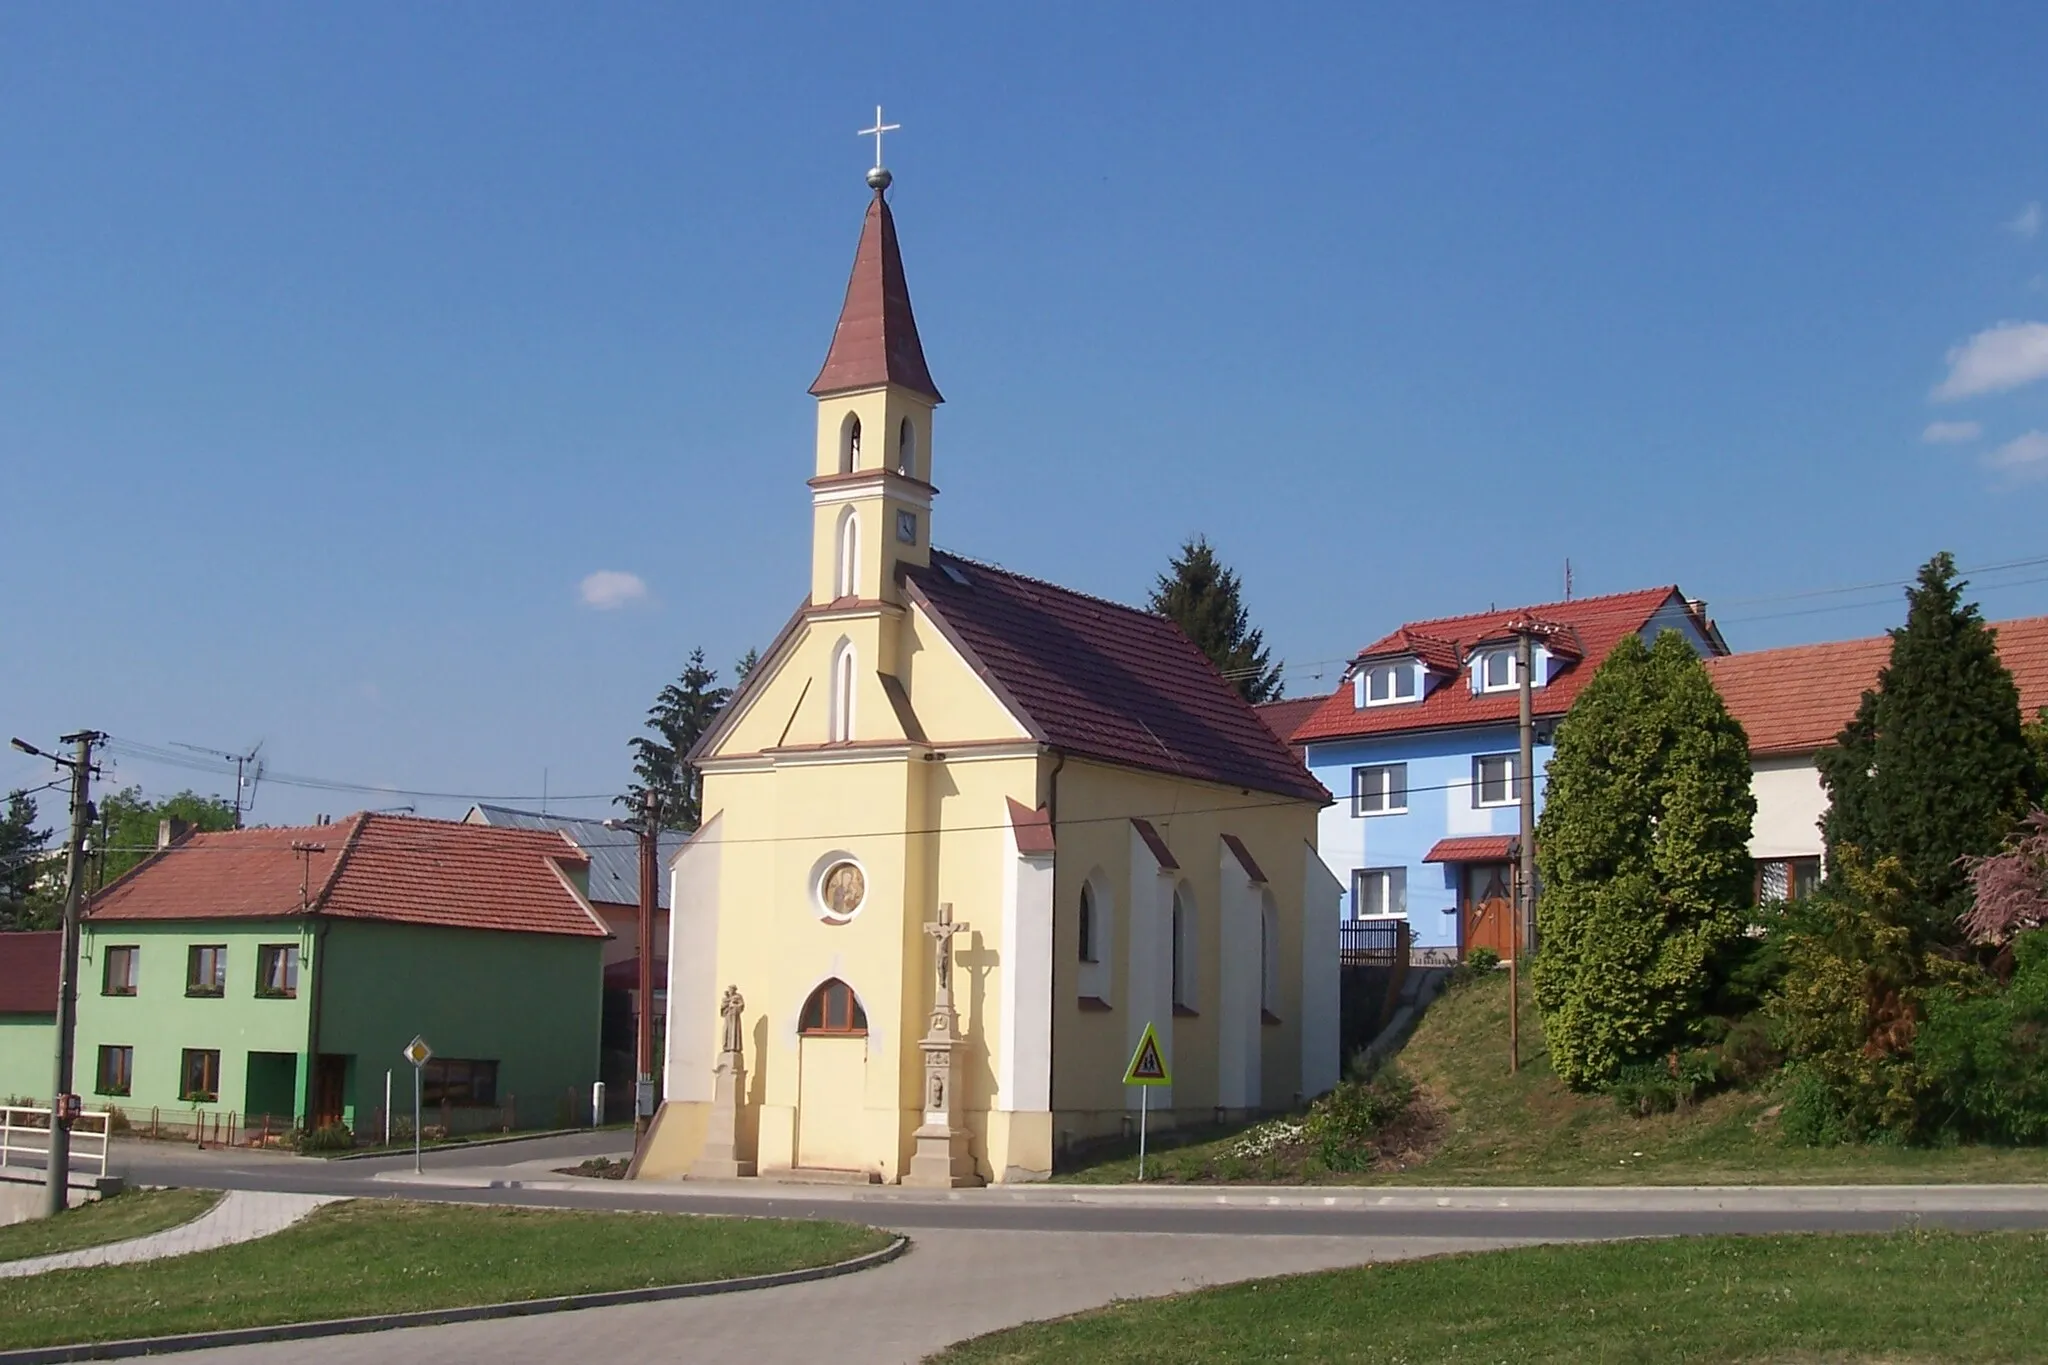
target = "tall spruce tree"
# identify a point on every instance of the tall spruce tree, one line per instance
(683, 711)
(1936, 765)
(1201, 595)
(1643, 852)
(24, 855)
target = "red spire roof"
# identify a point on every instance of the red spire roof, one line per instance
(876, 340)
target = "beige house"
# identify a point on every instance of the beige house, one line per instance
(1120, 839)
(1793, 702)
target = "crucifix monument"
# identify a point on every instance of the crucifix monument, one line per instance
(942, 1158)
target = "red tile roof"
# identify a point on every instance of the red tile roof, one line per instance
(1473, 848)
(1796, 700)
(28, 972)
(1588, 629)
(1103, 680)
(1283, 716)
(375, 867)
(624, 975)
(876, 340)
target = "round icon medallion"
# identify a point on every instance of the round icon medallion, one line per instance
(842, 889)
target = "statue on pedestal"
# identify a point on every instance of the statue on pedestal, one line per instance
(720, 1159)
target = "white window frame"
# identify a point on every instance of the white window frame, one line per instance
(1510, 761)
(846, 573)
(1482, 669)
(1393, 892)
(1397, 675)
(1388, 792)
(844, 672)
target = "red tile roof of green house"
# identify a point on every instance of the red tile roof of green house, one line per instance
(876, 341)
(393, 868)
(1796, 700)
(1586, 630)
(28, 971)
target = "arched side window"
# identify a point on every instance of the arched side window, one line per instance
(906, 449)
(833, 1009)
(840, 728)
(1088, 948)
(849, 444)
(846, 577)
(1186, 985)
(1269, 954)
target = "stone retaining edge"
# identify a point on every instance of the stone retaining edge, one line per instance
(435, 1317)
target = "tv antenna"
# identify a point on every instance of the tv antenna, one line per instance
(248, 772)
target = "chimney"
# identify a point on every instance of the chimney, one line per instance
(171, 831)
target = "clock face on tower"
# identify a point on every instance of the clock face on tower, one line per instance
(906, 527)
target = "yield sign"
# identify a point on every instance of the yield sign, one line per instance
(1148, 1064)
(417, 1052)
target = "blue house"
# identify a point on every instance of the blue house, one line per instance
(1421, 745)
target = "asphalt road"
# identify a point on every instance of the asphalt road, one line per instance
(161, 1164)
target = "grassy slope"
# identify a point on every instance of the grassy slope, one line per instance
(375, 1256)
(135, 1214)
(1498, 1128)
(1902, 1296)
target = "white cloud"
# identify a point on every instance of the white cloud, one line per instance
(609, 589)
(2026, 225)
(2023, 457)
(1951, 433)
(2001, 357)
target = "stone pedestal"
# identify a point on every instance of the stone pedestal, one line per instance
(720, 1159)
(942, 1158)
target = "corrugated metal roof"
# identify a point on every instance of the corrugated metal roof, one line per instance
(614, 853)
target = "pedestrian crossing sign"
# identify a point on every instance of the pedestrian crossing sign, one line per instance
(1148, 1063)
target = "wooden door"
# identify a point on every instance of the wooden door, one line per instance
(831, 1107)
(1489, 907)
(330, 1089)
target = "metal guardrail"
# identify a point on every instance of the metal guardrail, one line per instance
(25, 1131)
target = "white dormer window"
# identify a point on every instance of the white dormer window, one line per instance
(1496, 670)
(1384, 684)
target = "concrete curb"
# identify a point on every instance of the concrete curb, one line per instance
(467, 1144)
(434, 1317)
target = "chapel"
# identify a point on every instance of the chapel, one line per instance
(966, 836)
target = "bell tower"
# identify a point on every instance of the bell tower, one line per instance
(871, 494)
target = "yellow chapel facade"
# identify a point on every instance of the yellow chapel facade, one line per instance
(1120, 839)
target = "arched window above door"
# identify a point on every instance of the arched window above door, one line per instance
(833, 1009)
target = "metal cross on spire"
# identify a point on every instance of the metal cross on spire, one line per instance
(876, 132)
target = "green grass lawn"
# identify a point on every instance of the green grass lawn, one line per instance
(379, 1256)
(1897, 1297)
(1490, 1127)
(134, 1214)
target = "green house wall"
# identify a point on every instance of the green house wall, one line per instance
(160, 1021)
(27, 1056)
(530, 1002)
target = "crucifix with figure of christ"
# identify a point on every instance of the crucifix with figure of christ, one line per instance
(941, 931)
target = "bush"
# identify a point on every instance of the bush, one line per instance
(1482, 960)
(1985, 1055)
(1676, 1082)
(332, 1137)
(1344, 1126)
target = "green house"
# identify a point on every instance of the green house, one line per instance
(274, 977)
(28, 1014)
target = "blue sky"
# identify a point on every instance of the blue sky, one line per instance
(340, 344)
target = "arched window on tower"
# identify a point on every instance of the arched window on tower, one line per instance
(841, 726)
(846, 576)
(849, 445)
(906, 450)
(833, 1008)
(1087, 923)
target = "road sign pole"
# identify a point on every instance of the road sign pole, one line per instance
(1144, 1104)
(417, 1072)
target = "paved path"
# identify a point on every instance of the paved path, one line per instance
(240, 1216)
(954, 1284)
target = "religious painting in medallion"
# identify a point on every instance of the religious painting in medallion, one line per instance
(843, 889)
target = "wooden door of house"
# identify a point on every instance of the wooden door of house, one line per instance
(330, 1089)
(1488, 908)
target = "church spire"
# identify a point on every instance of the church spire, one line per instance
(876, 341)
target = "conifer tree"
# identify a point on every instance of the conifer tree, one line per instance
(1936, 766)
(1643, 854)
(681, 714)
(1201, 595)
(23, 852)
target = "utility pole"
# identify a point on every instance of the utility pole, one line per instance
(1524, 930)
(63, 1103)
(643, 1097)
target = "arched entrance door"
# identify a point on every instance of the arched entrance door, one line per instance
(832, 1078)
